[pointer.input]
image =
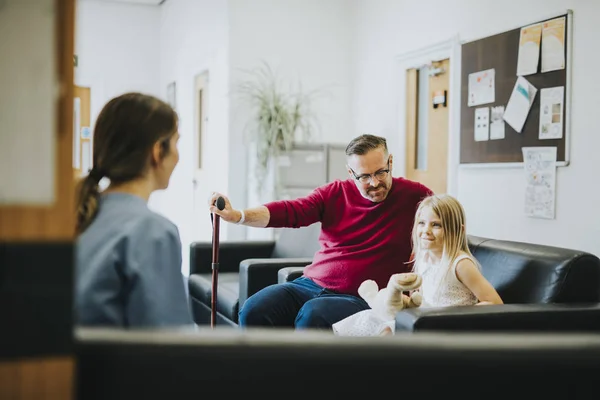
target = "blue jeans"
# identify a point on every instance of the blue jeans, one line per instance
(300, 303)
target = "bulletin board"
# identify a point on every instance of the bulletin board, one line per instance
(501, 52)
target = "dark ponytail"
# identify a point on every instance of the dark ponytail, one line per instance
(87, 202)
(126, 130)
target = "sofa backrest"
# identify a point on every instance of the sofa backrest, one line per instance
(297, 242)
(248, 363)
(533, 273)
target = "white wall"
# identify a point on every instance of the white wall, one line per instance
(125, 47)
(493, 198)
(117, 47)
(193, 39)
(307, 41)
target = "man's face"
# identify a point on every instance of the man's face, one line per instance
(372, 174)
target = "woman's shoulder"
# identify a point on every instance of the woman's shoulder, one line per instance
(153, 224)
(134, 220)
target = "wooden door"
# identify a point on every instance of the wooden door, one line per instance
(427, 125)
(36, 241)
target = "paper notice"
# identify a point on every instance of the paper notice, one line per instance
(529, 50)
(497, 123)
(553, 45)
(482, 124)
(482, 87)
(540, 174)
(519, 104)
(551, 112)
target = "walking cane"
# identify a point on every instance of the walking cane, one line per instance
(220, 203)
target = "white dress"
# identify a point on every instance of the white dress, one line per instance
(440, 288)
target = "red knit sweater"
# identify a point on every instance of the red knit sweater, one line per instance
(359, 239)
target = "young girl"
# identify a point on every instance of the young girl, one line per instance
(451, 276)
(128, 271)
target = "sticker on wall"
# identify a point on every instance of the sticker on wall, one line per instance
(86, 132)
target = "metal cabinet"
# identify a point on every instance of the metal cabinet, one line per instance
(308, 166)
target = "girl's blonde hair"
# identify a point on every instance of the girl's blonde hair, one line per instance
(453, 220)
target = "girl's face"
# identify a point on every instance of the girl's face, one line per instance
(430, 231)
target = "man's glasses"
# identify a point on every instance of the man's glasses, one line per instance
(367, 178)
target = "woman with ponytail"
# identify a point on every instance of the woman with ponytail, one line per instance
(128, 257)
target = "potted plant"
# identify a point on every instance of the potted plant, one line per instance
(278, 118)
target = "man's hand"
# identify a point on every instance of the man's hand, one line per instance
(228, 214)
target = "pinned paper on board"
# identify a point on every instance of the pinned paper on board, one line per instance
(497, 123)
(482, 124)
(553, 45)
(540, 175)
(529, 49)
(482, 87)
(551, 112)
(519, 104)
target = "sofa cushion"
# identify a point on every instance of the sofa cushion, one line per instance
(532, 273)
(227, 292)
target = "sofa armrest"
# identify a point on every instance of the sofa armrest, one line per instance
(258, 273)
(288, 274)
(504, 317)
(231, 254)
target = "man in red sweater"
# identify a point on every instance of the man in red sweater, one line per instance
(366, 224)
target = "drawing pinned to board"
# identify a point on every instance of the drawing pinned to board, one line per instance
(497, 123)
(553, 45)
(529, 49)
(519, 104)
(482, 87)
(540, 175)
(482, 124)
(551, 112)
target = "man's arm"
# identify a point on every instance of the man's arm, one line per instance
(302, 211)
(257, 217)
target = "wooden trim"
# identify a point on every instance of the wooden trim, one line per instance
(40, 379)
(52, 377)
(411, 121)
(21, 223)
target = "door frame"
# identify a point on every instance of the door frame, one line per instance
(450, 49)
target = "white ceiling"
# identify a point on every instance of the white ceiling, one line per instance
(147, 2)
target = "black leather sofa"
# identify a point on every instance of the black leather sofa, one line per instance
(244, 268)
(543, 287)
(263, 364)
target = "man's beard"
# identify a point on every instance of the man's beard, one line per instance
(380, 186)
